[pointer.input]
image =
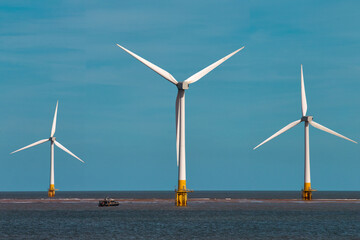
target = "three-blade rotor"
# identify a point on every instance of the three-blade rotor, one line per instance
(304, 118)
(51, 139)
(194, 78)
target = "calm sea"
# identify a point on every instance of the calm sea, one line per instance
(152, 215)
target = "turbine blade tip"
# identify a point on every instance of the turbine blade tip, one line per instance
(240, 49)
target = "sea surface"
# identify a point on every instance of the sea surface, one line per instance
(153, 215)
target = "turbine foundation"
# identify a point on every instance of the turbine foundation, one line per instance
(181, 194)
(181, 198)
(51, 191)
(307, 192)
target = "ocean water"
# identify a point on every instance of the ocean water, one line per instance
(152, 215)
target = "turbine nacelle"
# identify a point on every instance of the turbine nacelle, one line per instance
(307, 118)
(182, 85)
(52, 139)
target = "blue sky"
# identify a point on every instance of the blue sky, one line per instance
(119, 116)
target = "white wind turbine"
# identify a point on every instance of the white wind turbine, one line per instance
(52, 140)
(181, 196)
(306, 193)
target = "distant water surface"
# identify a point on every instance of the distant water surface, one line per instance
(252, 215)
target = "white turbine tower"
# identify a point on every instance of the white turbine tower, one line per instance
(52, 140)
(181, 193)
(307, 191)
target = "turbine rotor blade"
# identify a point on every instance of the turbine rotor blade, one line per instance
(177, 113)
(153, 67)
(208, 69)
(284, 129)
(54, 121)
(303, 95)
(325, 129)
(31, 145)
(66, 150)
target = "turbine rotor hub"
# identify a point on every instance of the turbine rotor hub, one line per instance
(182, 85)
(52, 139)
(307, 118)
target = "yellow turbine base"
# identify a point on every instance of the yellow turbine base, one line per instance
(181, 198)
(307, 192)
(182, 185)
(181, 194)
(51, 191)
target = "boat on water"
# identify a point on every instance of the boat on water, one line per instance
(108, 202)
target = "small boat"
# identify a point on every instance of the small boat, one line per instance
(108, 202)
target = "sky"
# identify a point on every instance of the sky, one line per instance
(119, 116)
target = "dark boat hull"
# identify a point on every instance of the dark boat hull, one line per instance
(108, 203)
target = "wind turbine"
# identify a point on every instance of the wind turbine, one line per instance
(181, 193)
(307, 191)
(52, 140)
